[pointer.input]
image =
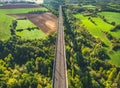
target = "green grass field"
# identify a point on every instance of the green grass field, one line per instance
(25, 34)
(89, 6)
(115, 58)
(97, 31)
(5, 20)
(33, 34)
(111, 16)
(21, 10)
(24, 24)
(116, 34)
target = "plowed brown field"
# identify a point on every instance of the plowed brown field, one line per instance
(47, 22)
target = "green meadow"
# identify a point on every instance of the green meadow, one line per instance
(6, 21)
(97, 30)
(115, 57)
(21, 10)
(26, 34)
(24, 24)
(111, 16)
(116, 34)
(33, 34)
(89, 6)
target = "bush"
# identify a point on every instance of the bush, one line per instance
(116, 47)
(117, 27)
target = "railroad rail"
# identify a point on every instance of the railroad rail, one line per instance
(59, 79)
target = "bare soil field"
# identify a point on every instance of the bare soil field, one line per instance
(47, 22)
(11, 6)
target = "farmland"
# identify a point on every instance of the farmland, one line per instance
(29, 22)
(33, 34)
(47, 22)
(21, 10)
(5, 22)
(28, 34)
(24, 24)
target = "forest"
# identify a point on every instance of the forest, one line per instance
(26, 63)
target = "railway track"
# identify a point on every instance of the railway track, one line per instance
(59, 79)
